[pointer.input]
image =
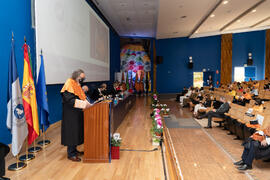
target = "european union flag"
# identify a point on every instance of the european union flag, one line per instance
(42, 99)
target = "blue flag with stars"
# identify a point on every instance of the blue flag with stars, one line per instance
(42, 99)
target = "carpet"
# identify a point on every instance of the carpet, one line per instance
(173, 122)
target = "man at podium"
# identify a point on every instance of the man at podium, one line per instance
(74, 101)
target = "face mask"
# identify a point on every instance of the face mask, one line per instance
(81, 80)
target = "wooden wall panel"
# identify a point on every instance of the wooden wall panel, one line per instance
(267, 54)
(226, 59)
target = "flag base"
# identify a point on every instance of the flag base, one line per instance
(44, 143)
(34, 149)
(25, 158)
(16, 166)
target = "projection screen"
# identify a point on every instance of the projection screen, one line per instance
(71, 36)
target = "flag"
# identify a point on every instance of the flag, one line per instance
(149, 82)
(29, 99)
(42, 99)
(15, 111)
(127, 82)
(31, 63)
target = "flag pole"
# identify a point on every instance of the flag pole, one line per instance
(44, 141)
(17, 166)
(27, 156)
(35, 148)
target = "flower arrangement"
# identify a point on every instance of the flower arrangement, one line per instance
(157, 127)
(115, 146)
(116, 140)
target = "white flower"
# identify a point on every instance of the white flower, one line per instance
(116, 136)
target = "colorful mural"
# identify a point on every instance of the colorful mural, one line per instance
(136, 64)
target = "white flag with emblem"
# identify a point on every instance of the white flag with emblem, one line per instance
(15, 112)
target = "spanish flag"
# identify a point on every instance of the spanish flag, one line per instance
(29, 98)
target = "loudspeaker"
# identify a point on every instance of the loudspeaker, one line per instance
(190, 65)
(159, 59)
(249, 62)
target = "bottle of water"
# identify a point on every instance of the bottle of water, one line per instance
(115, 101)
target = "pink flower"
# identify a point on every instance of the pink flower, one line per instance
(159, 122)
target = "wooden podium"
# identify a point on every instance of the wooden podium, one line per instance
(96, 133)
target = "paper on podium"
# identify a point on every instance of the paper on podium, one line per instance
(81, 104)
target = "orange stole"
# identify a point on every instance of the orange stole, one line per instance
(73, 87)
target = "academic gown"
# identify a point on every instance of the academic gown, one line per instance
(4, 150)
(72, 132)
(95, 95)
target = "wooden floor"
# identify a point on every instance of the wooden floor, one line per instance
(209, 154)
(52, 163)
(202, 154)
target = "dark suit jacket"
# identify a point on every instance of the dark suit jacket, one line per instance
(4, 150)
(95, 95)
(223, 108)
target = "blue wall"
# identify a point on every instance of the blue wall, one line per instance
(250, 42)
(16, 16)
(173, 74)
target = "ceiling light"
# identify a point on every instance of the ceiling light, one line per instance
(196, 31)
(225, 2)
(238, 20)
(212, 15)
(254, 10)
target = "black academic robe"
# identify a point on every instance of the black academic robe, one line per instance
(95, 95)
(72, 122)
(4, 150)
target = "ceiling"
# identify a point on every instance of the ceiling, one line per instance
(185, 18)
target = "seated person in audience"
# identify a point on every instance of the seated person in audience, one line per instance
(87, 93)
(267, 86)
(216, 113)
(259, 105)
(239, 100)
(116, 89)
(184, 91)
(241, 89)
(202, 106)
(256, 147)
(99, 92)
(186, 95)
(194, 99)
(254, 92)
(4, 150)
(247, 95)
(211, 88)
(231, 92)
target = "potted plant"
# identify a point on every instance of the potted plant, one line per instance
(115, 146)
(158, 131)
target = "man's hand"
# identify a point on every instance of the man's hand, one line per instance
(214, 110)
(264, 143)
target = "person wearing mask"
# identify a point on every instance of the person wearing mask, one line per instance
(115, 89)
(216, 113)
(256, 147)
(73, 101)
(100, 92)
(231, 92)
